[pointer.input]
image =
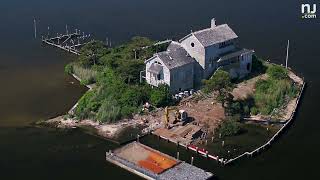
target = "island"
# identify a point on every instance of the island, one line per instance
(202, 92)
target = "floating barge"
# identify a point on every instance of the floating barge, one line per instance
(154, 165)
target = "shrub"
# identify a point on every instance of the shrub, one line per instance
(277, 72)
(109, 111)
(220, 82)
(233, 108)
(254, 111)
(87, 105)
(68, 69)
(257, 65)
(160, 96)
(229, 127)
(246, 110)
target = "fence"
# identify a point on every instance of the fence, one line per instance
(274, 136)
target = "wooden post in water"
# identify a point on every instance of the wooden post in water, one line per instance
(67, 29)
(287, 55)
(178, 154)
(48, 32)
(192, 160)
(107, 41)
(35, 28)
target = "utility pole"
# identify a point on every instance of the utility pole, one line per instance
(287, 55)
(35, 28)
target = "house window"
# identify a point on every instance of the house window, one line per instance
(225, 44)
(192, 44)
(157, 62)
(158, 76)
(248, 66)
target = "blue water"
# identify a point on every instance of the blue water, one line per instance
(34, 87)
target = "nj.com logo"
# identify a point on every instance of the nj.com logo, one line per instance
(309, 11)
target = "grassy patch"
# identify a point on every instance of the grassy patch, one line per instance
(274, 92)
(116, 72)
(87, 76)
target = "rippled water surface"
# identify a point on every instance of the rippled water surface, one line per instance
(34, 86)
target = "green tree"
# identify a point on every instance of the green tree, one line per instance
(130, 70)
(91, 53)
(233, 108)
(160, 96)
(220, 82)
(257, 65)
(230, 127)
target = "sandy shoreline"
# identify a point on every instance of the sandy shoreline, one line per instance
(109, 131)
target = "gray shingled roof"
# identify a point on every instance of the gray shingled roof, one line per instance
(234, 54)
(155, 68)
(218, 34)
(175, 56)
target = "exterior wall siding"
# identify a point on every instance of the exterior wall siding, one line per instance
(165, 74)
(197, 52)
(211, 55)
(245, 64)
(182, 78)
(190, 75)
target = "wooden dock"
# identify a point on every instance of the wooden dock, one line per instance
(70, 42)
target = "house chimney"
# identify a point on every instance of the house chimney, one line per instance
(213, 23)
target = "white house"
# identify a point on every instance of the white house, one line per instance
(196, 56)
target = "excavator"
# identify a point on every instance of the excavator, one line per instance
(179, 116)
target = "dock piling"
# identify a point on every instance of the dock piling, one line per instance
(192, 160)
(69, 42)
(48, 35)
(67, 32)
(35, 28)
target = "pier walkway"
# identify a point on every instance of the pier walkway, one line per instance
(70, 42)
